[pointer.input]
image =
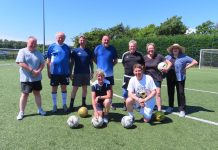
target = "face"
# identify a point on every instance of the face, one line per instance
(31, 44)
(175, 51)
(105, 41)
(150, 50)
(138, 73)
(100, 78)
(60, 37)
(132, 47)
(82, 42)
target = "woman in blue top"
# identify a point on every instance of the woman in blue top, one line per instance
(176, 76)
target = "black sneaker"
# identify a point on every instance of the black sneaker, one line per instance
(113, 107)
(71, 107)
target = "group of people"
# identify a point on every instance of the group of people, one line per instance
(142, 80)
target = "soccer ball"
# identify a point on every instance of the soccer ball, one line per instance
(97, 122)
(73, 121)
(83, 112)
(161, 66)
(142, 94)
(127, 121)
(159, 116)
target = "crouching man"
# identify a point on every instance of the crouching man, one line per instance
(141, 92)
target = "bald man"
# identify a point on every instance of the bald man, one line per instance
(58, 68)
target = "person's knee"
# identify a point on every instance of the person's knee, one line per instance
(129, 101)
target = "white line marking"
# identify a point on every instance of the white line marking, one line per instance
(190, 117)
(196, 90)
(6, 64)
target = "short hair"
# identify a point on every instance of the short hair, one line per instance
(100, 72)
(148, 44)
(137, 66)
(60, 33)
(82, 36)
(32, 37)
(133, 42)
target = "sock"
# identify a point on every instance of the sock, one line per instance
(131, 114)
(64, 98)
(83, 100)
(54, 98)
(72, 101)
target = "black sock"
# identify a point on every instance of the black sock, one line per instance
(83, 100)
(71, 102)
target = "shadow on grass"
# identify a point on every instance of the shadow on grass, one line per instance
(165, 121)
(116, 117)
(31, 115)
(194, 109)
(59, 112)
(132, 127)
(80, 126)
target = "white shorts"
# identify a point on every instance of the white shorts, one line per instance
(147, 110)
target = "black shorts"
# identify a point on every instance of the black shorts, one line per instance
(125, 82)
(111, 79)
(59, 80)
(81, 79)
(28, 87)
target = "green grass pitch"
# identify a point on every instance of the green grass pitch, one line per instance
(52, 132)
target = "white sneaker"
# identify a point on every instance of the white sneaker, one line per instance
(41, 112)
(169, 110)
(20, 115)
(182, 114)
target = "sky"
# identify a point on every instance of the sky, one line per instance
(22, 18)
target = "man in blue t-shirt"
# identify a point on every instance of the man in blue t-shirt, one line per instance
(105, 58)
(58, 67)
(83, 70)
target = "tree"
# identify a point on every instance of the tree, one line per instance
(172, 26)
(207, 27)
(149, 30)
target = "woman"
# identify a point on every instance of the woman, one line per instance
(176, 76)
(152, 60)
(101, 96)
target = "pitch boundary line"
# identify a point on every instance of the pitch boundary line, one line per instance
(1, 65)
(187, 116)
(196, 90)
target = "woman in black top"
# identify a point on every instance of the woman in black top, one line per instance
(152, 59)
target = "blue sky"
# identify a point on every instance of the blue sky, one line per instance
(21, 18)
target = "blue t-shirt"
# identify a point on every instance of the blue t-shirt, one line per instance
(104, 58)
(82, 60)
(59, 56)
(179, 65)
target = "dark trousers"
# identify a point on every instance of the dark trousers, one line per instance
(180, 88)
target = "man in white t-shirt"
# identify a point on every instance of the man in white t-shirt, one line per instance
(141, 92)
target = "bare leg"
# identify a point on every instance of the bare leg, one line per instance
(158, 99)
(23, 101)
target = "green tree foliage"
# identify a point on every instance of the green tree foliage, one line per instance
(207, 27)
(172, 26)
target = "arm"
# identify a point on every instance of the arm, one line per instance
(48, 67)
(169, 65)
(108, 96)
(147, 98)
(193, 63)
(39, 70)
(71, 67)
(25, 66)
(91, 68)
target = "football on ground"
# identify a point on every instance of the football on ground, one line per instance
(83, 112)
(73, 121)
(97, 122)
(127, 121)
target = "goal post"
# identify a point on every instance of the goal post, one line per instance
(208, 58)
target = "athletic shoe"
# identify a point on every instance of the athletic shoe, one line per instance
(41, 112)
(71, 107)
(54, 108)
(20, 115)
(182, 114)
(105, 118)
(169, 110)
(113, 107)
(65, 108)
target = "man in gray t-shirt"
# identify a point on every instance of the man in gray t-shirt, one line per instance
(31, 63)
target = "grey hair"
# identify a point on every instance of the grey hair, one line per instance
(150, 44)
(133, 42)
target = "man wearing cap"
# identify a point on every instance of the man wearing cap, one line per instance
(176, 76)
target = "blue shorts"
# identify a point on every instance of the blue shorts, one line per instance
(124, 93)
(158, 84)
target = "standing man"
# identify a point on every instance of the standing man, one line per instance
(106, 58)
(31, 63)
(83, 70)
(129, 59)
(58, 67)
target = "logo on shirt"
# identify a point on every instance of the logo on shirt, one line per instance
(79, 53)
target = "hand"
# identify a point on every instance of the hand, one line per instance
(164, 70)
(141, 102)
(35, 72)
(96, 99)
(95, 114)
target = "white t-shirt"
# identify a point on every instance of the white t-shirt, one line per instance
(145, 84)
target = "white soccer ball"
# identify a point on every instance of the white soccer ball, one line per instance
(127, 121)
(97, 122)
(161, 66)
(73, 121)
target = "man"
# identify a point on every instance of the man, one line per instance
(59, 69)
(31, 63)
(106, 58)
(83, 70)
(142, 92)
(101, 96)
(129, 59)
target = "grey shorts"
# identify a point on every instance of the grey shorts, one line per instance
(81, 79)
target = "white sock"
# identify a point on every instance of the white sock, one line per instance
(131, 114)
(54, 98)
(64, 98)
